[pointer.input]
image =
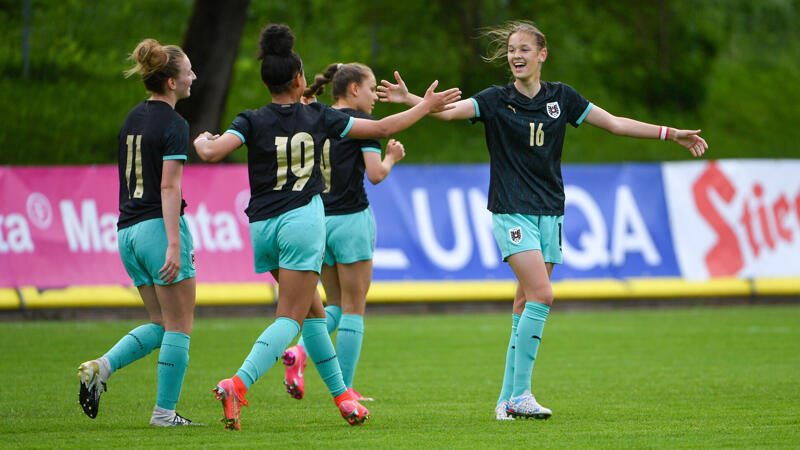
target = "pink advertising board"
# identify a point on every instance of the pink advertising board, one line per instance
(58, 225)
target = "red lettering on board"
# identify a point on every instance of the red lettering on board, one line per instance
(725, 258)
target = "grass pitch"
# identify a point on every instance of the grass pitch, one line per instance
(696, 377)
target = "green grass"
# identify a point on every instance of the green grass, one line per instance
(696, 377)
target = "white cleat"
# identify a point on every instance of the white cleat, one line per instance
(500, 412)
(92, 375)
(169, 418)
(526, 406)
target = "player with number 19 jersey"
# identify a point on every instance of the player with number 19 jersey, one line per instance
(525, 137)
(284, 148)
(152, 133)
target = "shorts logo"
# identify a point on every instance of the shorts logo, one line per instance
(191, 255)
(515, 234)
(553, 110)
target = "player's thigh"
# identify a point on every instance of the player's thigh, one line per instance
(177, 301)
(355, 279)
(532, 274)
(330, 282)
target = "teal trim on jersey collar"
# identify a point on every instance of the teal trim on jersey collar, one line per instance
(236, 133)
(347, 128)
(183, 157)
(477, 109)
(585, 113)
(371, 149)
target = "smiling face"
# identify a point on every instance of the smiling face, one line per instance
(183, 81)
(525, 58)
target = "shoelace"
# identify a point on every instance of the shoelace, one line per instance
(178, 420)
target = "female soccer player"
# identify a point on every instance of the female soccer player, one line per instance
(154, 241)
(525, 123)
(350, 241)
(286, 140)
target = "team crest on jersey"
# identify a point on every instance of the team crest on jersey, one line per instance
(553, 110)
(515, 234)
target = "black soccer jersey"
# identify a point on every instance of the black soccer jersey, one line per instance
(343, 168)
(525, 137)
(284, 148)
(152, 133)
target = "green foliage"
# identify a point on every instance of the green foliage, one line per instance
(668, 378)
(726, 66)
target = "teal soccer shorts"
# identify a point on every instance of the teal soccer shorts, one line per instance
(517, 233)
(350, 237)
(294, 240)
(142, 247)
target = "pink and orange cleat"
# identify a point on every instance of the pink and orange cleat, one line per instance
(352, 411)
(232, 399)
(294, 358)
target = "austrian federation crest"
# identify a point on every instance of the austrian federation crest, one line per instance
(515, 234)
(553, 110)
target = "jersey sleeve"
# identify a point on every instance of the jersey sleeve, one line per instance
(176, 140)
(240, 126)
(368, 145)
(337, 123)
(484, 101)
(576, 106)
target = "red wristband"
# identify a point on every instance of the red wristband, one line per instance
(662, 133)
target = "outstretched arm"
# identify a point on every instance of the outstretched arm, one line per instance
(398, 93)
(433, 101)
(623, 126)
(213, 147)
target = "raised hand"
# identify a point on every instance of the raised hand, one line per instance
(393, 93)
(691, 139)
(441, 101)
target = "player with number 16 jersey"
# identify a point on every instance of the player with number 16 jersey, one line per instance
(525, 168)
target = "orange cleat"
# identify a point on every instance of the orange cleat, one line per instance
(352, 411)
(232, 402)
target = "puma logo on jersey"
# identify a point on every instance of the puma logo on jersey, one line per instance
(512, 108)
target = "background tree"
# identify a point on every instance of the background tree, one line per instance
(212, 43)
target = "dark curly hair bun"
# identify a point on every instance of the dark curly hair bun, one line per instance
(276, 40)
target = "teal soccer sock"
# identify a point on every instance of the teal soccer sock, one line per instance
(333, 314)
(529, 335)
(137, 344)
(348, 345)
(267, 349)
(508, 374)
(319, 348)
(172, 362)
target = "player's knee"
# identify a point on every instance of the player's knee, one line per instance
(545, 295)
